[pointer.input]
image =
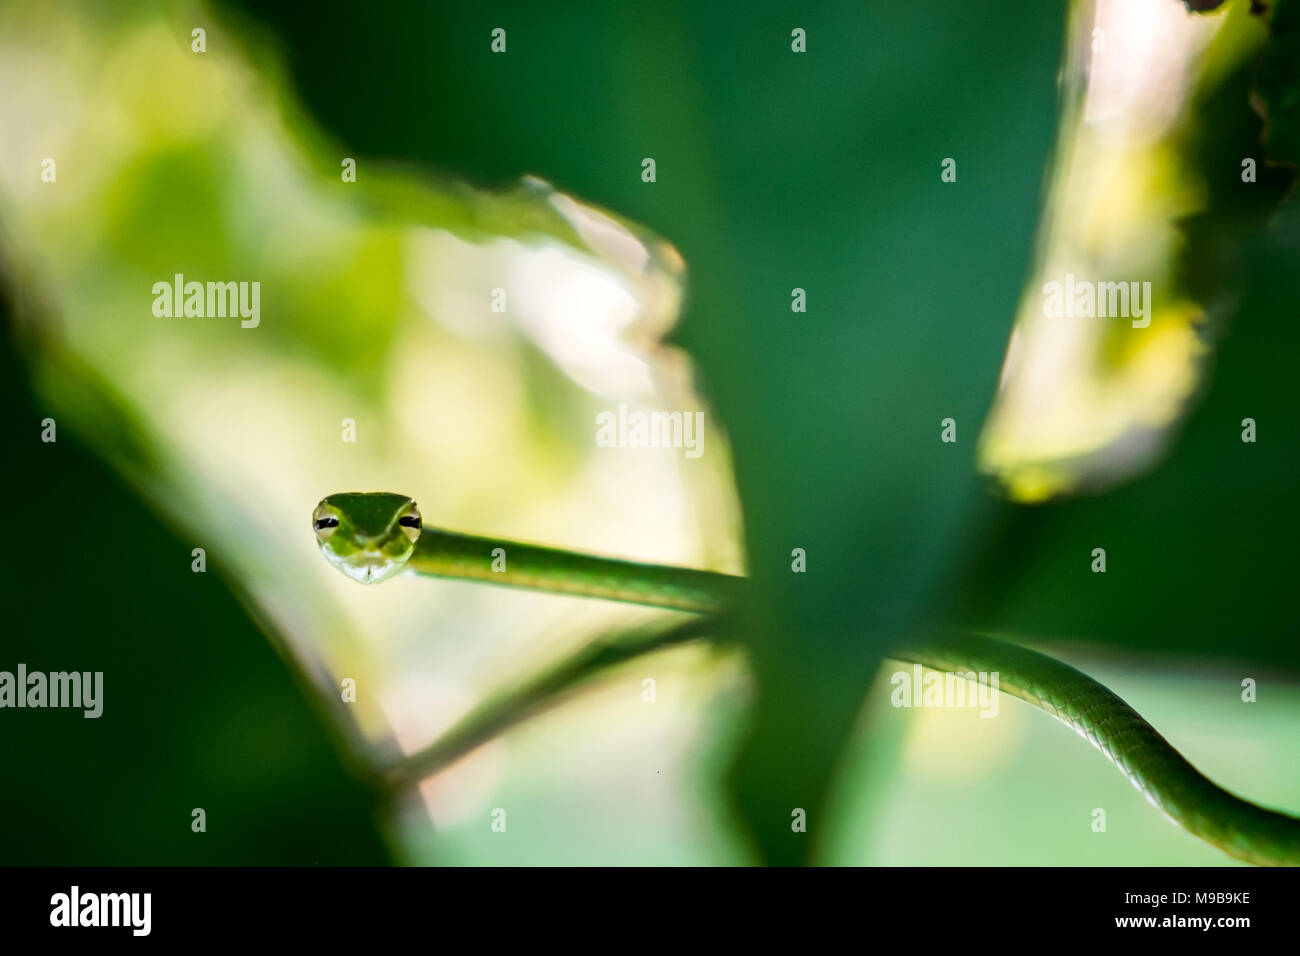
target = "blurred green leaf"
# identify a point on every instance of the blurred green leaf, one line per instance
(198, 710)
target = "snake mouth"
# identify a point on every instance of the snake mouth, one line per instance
(365, 567)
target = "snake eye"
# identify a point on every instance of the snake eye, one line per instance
(409, 522)
(324, 522)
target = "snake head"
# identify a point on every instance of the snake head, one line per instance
(367, 536)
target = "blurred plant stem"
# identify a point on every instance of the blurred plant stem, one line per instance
(540, 692)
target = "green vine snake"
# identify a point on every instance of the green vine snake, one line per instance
(373, 536)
